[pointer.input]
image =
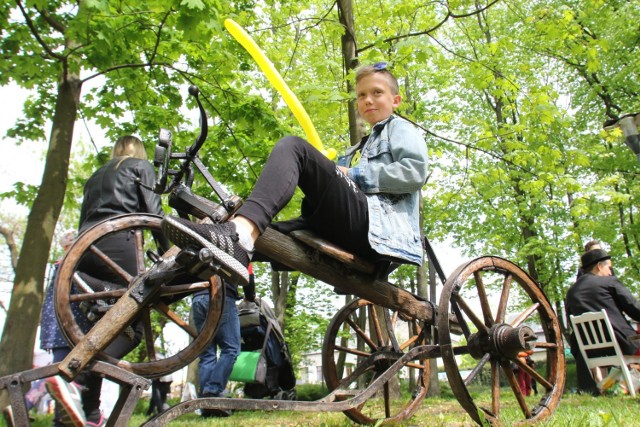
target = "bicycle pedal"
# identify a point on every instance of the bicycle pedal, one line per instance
(154, 256)
(187, 256)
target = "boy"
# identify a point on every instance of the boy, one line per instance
(368, 204)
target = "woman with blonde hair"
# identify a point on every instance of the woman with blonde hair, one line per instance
(130, 146)
(121, 186)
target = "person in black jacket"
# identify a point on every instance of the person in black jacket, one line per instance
(118, 187)
(121, 186)
(599, 289)
(591, 244)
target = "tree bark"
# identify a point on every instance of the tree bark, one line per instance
(23, 316)
(349, 56)
(280, 289)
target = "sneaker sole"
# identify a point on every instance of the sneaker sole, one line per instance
(184, 236)
(60, 393)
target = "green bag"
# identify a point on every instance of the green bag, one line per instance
(250, 367)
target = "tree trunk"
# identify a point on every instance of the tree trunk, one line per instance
(349, 55)
(280, 287)
(428, 289)
(23, 316)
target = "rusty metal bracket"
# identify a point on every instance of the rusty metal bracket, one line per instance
(331, 403)
(131, 388)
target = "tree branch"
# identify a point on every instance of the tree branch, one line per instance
(55, 24)
(448, 15)
(155, 47)
(14, 250)
(121, 66)
(36, 34)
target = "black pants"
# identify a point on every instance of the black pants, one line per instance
(333, 206)
(585, 382)
(120, 248)
(159, 391)
(92, 384)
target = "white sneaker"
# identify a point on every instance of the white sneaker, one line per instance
(69, 397)
(8, 416)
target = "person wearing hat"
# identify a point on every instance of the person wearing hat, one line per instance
(599, 289)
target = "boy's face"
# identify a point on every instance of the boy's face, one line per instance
(376, 102)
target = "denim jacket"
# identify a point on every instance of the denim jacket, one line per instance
(391, 172)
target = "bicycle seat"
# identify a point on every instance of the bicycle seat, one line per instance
(314, 241)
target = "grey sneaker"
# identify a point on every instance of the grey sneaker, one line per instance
(69, 397)
(220, 239)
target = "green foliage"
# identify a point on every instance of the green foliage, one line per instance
(23, 194)
(308, 319)
(311, 392)
(513, 100)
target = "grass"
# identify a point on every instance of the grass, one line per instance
(574, 410)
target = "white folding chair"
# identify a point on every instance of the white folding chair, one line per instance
(593, 331)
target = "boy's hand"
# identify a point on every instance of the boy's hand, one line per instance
(344, 170)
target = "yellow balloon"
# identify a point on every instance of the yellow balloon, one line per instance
(278, 82)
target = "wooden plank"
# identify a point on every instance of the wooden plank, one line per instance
(334, 251)
(295, 254)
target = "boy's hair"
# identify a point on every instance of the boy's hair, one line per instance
(379, 67)
(129, 145)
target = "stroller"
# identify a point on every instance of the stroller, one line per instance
(264, 363)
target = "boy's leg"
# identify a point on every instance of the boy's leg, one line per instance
(329, 194)
(333, 203)
(228, 342)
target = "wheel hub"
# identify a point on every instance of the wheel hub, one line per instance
(502, 340)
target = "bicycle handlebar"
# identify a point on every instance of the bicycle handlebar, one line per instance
(163, 154)
(204, 127)
(181, 198)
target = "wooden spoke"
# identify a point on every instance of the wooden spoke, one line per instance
(148, 334)
(384, 328)
(164, 309)
(165, 299)
(504, 298)
(495, 388)
(476, 370)
(362, 334)
(111, 264)
(139, 239)
(522, 309)
(484, 300)
(376, 324)
(513, 383)
(525, 315)
(469, 312)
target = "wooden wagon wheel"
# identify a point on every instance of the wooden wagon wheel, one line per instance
(521, 319)
(75, 291)
(360, 330)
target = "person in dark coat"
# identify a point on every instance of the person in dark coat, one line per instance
(121, 186)
(599, 289)
(591, 244)
(160, 389)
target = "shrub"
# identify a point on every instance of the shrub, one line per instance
(311, 392)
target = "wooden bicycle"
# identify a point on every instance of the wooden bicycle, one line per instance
(489, 310)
